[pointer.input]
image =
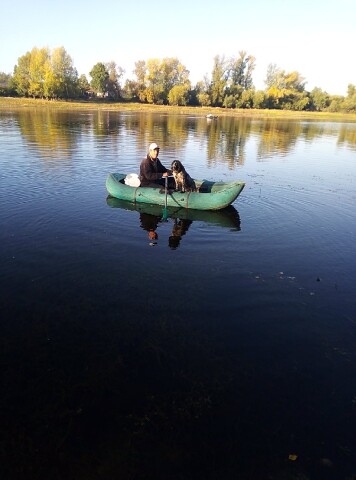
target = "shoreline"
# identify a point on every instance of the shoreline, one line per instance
(21, 102)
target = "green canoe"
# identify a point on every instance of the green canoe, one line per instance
(211, 195)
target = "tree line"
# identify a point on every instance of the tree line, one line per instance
(42, 73)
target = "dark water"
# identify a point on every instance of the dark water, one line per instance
(215, 353)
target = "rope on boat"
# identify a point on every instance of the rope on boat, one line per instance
(186, 203)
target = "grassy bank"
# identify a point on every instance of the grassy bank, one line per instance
(14, 102)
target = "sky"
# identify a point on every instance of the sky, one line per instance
(317, 38)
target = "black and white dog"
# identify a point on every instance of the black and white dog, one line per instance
(184, 182)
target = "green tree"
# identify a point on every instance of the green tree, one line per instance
(113, 83)
(65, 73)
(319, 100)
(202, 92)
(230, 79)
(336, 103)
(6, 84)
(84, 86)
(351, 90)
(246, 100)
(259, 99)
(99, 79)
(240, 71)
(4, 78)
(229, 101)
(219, 77)
(138, 88)
(21, 77)
(349, 103)
(130, 90)
(204, 99)
(174, 73)
(273, 75)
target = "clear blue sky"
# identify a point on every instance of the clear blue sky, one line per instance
(315, 37)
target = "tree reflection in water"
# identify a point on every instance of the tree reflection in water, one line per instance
(56, 133)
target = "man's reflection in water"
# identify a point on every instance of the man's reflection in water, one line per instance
(150, 223)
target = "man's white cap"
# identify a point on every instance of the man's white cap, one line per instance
(153, 146)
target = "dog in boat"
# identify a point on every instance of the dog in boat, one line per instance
(184, 182)
(180, 228)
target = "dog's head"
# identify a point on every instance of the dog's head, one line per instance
(176, 166)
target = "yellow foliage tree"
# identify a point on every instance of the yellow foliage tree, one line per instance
(179, 95)
(286, 90)
(38, 61)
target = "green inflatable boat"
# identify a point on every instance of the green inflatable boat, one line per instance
(211, 195)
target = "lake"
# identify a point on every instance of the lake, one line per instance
(223, 349)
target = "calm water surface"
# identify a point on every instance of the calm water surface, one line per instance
(215, 353)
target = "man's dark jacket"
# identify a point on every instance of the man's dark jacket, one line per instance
(151, 171)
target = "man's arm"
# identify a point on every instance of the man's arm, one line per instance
(160, 167)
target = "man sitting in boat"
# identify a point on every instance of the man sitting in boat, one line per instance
(152, 170)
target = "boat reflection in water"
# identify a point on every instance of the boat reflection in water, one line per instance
(151, 216)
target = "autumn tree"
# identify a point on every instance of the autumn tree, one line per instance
(179, 95)
(29, 73)
(40, 73)
(156, 78)
(60, 76)
(285, 90)
(154, 88)
(39, 59)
